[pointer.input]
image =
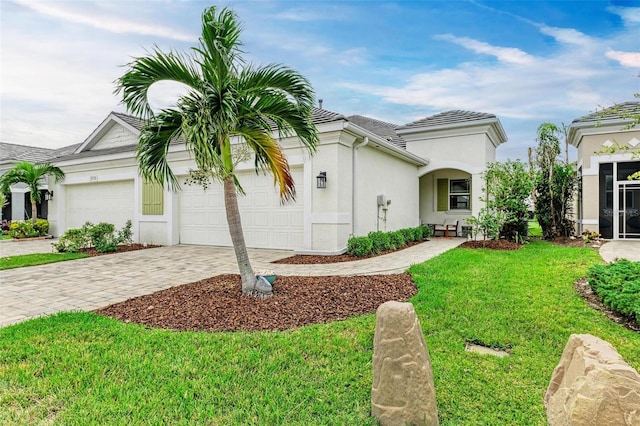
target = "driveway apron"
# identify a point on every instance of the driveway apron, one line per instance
(91, 283)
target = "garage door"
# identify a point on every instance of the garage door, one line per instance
(111, 202)
(265, 222)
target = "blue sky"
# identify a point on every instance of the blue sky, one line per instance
(528, 62)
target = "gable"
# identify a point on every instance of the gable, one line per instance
(114, 137)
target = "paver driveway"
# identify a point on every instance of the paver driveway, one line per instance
(91, 283)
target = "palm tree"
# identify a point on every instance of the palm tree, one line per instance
(31, 175)
(225, 98)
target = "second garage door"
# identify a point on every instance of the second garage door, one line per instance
(265, 222)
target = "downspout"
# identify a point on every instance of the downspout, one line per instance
(354, 164)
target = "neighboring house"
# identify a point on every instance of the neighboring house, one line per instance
(378, 176)
(608, 202)
(19, 204)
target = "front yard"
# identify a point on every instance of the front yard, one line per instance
(76, 368)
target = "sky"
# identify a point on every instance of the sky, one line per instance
(527, 62)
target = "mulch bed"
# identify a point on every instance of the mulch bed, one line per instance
(309, 259)
(121, 249)
(584, 289)
(491, 244)
(217, 303)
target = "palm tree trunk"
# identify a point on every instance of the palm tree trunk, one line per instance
(249, 280)
(34, 211)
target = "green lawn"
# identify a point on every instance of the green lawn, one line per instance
(79, 368)
(5, 237)
(534, 229)
(19, 261)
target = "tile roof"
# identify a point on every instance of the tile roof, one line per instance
(12, 152)
(616, 112)
(136, 122)
(383, 129)
(95, 152)
(447, 118)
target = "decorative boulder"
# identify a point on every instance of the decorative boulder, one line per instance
(592, 385)
(403, 391)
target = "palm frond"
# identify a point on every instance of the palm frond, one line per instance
(153, 147)
(145, 71)
(269, 156)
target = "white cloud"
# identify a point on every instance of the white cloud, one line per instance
(626, 59)
(566, 35)
(630, 15)
(104, 22)
(504, 54)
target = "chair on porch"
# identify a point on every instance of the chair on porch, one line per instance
(449, 225)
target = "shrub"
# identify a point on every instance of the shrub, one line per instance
(23, 229)
(42, 226)
(381, 241)
(397, 239)
(73, 240)
(418, 233)
(359, 246)
(618, 286)
(409, 234)
(102, 236)
(426, 231)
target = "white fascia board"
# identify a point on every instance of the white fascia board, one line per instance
(96, 158)
(104, 126)
(581, 129)
(376, 141)
(483, 126)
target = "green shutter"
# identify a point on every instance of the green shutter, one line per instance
(152, 198)
(443, 195)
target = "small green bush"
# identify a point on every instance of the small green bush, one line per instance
(409, 234)
(23, 229)
(397, 239)
(618, 286)
(359, 246)
(42, 226)
(426, 231)
(102, 236)
(418, 233)
(381, 241)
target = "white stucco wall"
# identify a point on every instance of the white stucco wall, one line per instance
(380, 174)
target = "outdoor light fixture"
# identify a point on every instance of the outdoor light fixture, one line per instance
(322, 180)
(48, 196)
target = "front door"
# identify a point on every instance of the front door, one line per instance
(628, 216)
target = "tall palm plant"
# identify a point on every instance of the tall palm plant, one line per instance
(226, 98)
(32, 175)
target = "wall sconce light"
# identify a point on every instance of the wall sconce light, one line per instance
(321, 180)
(48, 196)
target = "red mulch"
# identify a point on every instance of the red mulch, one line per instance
(491, 244)
(121, 249)
(309, 259)
(217, 303)
(584, 289)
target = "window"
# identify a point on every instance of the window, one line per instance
(454, 194)
(152, 198)
(459, 194)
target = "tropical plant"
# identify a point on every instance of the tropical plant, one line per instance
(226, 97)
(555, 185)
(508, 188)
(31, 175)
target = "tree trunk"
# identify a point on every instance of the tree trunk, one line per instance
(34, 212)
(249, 281)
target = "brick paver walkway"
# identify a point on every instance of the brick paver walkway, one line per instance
(91, 283)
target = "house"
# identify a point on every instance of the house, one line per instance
(367, 175)
(18, 202)
(608, 202)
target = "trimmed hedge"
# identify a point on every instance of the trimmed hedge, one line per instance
(377, 241)
(618, 286)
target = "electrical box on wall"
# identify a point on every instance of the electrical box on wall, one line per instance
(382, 200)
